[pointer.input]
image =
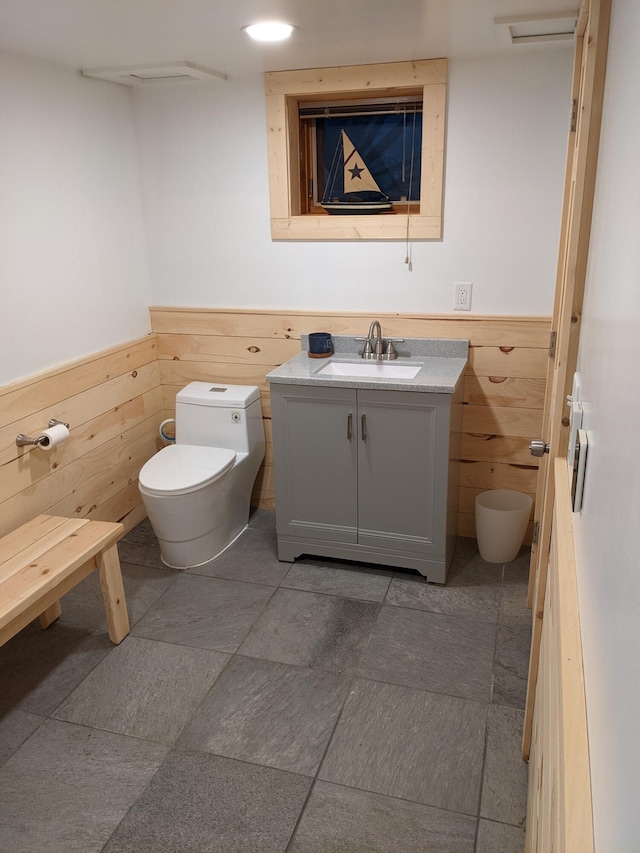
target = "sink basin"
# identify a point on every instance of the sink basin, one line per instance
(371, 369)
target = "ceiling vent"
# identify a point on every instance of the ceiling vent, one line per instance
(154, 75)
(539, 27)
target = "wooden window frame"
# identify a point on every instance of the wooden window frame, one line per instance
(285, 89)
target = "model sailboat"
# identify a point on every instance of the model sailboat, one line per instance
(361, 193)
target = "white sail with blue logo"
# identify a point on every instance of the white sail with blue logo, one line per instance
(361, 193)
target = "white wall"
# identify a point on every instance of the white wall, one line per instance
(73, 268)
(204, 168)
(608, 528)
(75, 274)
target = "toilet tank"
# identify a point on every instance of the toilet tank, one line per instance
(211, 414)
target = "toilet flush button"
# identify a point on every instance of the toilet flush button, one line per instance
(236, 417)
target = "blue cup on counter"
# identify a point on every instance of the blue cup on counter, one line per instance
(320, 344)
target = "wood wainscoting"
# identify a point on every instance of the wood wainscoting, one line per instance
(112, 401)
(559, 809)
(503, 392)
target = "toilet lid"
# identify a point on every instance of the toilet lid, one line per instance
(183, 468)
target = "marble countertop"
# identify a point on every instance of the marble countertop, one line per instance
(441, 362)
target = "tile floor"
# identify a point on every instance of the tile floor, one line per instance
(264, 707)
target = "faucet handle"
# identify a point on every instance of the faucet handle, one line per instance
(367, 352)
(390, 351)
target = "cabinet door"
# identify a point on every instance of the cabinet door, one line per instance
(403, 458)
(315, 452)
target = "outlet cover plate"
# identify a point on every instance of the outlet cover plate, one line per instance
(462, 295)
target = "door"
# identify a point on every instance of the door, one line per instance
(315, 444)
(592, 33)
(402, 470)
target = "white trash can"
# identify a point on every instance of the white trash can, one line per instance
(501, 522)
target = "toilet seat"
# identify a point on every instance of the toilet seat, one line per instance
(183, 468)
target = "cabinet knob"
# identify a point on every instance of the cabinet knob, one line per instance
(349, 426)
(363, 427)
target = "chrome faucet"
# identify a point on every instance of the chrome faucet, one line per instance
(378, 348)
(382, 350)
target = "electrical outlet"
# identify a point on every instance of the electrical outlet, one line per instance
(462, 296)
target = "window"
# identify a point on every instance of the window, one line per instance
(369, 150)
(356, 140)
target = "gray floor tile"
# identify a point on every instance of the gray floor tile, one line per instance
(144, 688)
(511, 666)
(418, 753)
(199, 803)
(262, 519)
(15, 728)
(307, 629)
(252, 558)
(143, 585)
(446, 654)
(466, 551)
(513, 603)
(362, 582)
(338, 819)
(38, 669)
(141, 553)
(67, 788)
(499, 838)
(141, 534)
(408, 743)
(504, 786)
(210, 613)
(269, 713)
(472, 589)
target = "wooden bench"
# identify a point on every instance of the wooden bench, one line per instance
(48, 556)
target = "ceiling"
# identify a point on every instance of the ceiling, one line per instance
(80, 34)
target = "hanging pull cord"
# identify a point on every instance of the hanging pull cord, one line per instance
(409, 256)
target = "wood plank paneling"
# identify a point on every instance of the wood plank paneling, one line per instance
(498, 475)
(227, 350)
(104, 431)
(486, 447)
(502, 420)
(514, 362)
(559, 809)
(479, 331)
(82, 409)
(112, 401)
(181, 372)
(503, 391)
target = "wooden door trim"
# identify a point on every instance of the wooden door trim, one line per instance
(592, 37)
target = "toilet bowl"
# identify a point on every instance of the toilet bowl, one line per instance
(197, 492)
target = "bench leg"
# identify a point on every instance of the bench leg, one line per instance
(115, 605)
(49, 616)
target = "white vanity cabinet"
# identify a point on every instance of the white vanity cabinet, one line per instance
(366, 475)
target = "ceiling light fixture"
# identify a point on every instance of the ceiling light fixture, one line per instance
(269, 31)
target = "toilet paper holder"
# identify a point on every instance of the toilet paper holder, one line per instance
(23, 440)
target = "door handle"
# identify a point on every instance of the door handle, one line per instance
(538, 447)
(363, 427)
(349, 426)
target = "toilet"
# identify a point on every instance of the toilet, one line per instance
(197, 492)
